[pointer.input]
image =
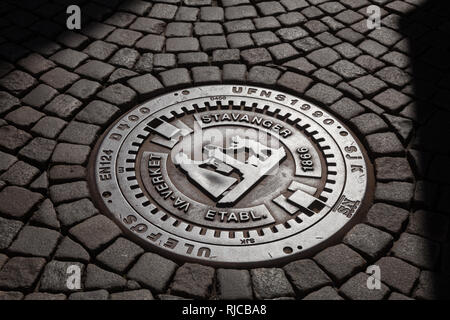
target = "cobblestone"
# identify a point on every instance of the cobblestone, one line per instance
(75, 212)
(35, 241)
(387, 217)
(71, 250)
(70, 153)
(356, 289)
(369, 241)
(270, 283)
(98, 112)
(8, 231)
(120, 254)
(16, 202)
(234, 284)
(63, 106)
(153, 271)
(40, 96)
(398, 274)
(306, 276)
(97, 278)
(326, 293)
(142, 294)
(48, 127)
(20, 272)
(39, 149)
(395, 192)
(416, 250)
(68, 191)
(193, 280)
(95, 232)
(339, 261)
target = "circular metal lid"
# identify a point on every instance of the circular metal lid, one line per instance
(231, 175)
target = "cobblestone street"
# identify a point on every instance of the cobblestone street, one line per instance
(60, 90)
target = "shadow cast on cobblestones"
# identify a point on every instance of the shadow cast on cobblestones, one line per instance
(428, 31)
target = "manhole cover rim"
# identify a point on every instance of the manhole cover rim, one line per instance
(247, 254)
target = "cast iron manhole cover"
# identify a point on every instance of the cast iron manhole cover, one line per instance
(231, 175)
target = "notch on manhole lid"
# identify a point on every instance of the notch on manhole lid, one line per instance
(231, 175)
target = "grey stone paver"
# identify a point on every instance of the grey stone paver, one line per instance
(153, 271)
(269, 283)
(193, 280)
(234, 284)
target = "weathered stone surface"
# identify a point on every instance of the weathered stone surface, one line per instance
(6, 161)
(70, 250)
(59, 78)
(69, 191)
(20, 174)
(324, 94)
(13, 138)
(153, 271)
(416, 250)
(11, 295)
(39, 149)
(64, 106)
(347, 108)
(75, 212)
(146, 84)
(20, 273)
(35, 241)
(175, 77)
(326, 293)
(16, 202)
(234, 284)
(17, 82)
(323, 57)
(306, 276)
(95, 232)
(8, 231)
(48, 127)
(294, 81)
(84, 89)
(68, 153)
(390, 168)
(96, 70)
(385, 143)
(118, 94)
(193, 280)
(387, 217)
(270, 283)
(395, 192)
(339, 261)
(97, 278)
(120, 254)
(98, 112)
(45, 296)
(24, 116)
(368, 123)
(45, 215)
(54, 277)
(142, 294)
(90, 295)
(367, 240)
(79, 133)
(356, 289)
(398, 274)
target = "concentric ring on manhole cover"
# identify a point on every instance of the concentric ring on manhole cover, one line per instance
(231, 175)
